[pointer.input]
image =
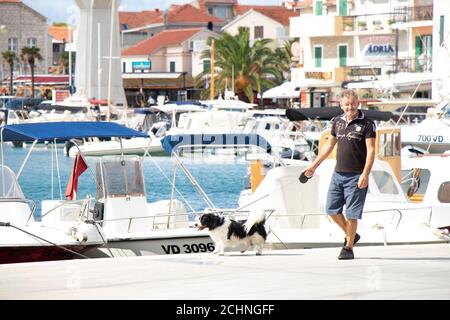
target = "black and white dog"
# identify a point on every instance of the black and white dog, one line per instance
(226, 232)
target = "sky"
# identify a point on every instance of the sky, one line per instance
(66, 10)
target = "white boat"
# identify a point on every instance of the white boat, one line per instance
(153, 127)
(299, 219)
(23, 239)
(295, 214)
(134, 227)
(66, 229)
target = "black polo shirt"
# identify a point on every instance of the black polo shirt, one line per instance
(351, 142)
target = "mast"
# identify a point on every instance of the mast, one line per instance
(211, 93)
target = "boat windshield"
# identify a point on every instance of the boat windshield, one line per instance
(9, 187)
(120, 177)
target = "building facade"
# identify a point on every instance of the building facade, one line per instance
(264, 22)
(166, 63)
(441, 50)
(380, 47)
(22, 26)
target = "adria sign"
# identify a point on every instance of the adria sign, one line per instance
(378, 48)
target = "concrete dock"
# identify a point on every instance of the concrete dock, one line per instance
(390, 272)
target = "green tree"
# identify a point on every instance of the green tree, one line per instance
(30, 55)
(252, 67)
(284, 58)
(10, 57)
(64, 61)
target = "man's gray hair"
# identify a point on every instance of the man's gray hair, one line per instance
(349, 93)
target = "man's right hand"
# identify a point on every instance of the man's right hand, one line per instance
(309, 171)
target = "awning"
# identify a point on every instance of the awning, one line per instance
(329, 113)
(63, 131)
(159, 83)
(172, 142)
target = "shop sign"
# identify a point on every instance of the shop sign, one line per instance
(365, 72)
(318, 75)
(141, 66)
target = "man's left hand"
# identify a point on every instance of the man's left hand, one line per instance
(363, 181)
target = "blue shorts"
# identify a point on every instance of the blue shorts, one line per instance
(344, 190)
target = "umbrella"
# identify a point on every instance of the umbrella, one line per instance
(286, 90)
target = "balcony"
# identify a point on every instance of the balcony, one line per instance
(421, 63)
(413, 14)
(370, 24)
(306, 26)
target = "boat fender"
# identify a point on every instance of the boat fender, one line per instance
(98, 211)
(77, 235)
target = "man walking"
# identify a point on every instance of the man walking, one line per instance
(355, 138)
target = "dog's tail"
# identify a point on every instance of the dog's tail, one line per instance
(255, 216)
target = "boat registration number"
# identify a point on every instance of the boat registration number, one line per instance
(188, 248)
(430, 138)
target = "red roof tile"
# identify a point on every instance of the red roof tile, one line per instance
(59, 33)
(10, 1)
(277, 13)
(176, 14)
(188, 13)
(140, 19)
(160, 40)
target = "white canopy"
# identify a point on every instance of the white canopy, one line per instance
(286, 90)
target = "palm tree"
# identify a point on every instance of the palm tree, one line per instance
(30, 55)
(10, 57)
(253, 66)
(284, 56)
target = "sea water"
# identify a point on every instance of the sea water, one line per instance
(221, 177)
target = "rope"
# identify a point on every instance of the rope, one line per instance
(7, 224)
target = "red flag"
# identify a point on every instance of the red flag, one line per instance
(79, 167)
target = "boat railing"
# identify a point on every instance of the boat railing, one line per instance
(30, 203)
(166, 223)
(395, 212)
(85, 206)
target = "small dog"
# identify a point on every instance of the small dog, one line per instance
(229, 233)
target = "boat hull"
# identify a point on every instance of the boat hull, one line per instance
(154, 246)
(18, 254)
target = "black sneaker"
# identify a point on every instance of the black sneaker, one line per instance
(357, 237)
(346, 254)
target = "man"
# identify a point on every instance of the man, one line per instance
(355, 138)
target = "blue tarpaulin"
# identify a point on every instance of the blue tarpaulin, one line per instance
(63, 131)
(173, 142)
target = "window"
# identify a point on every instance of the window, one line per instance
(31, 42)
(342, 55)
(384, 182)
(206, 65)
(222, 12)
(124, 67)
(259, 32)
(318, 57)
(124, 26)
(318, 8)
(13, 44)
(444, 192)
(441, 30)
(342, 7)
(172, 66)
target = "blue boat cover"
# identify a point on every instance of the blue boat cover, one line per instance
(172, 142)
(63, 131)
(143, 111)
